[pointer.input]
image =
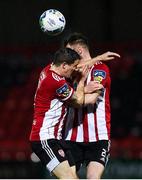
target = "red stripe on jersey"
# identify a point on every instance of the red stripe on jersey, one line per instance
(74, 132)
(57, 125)
(107, 115)
(85, 125)
(95, 117)
(93, 125)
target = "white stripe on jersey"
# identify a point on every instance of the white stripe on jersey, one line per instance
(90, 116)
(68, 136)
(51, 118)
(59, 135)
(91, 123)
(96, 121)
(101, 117)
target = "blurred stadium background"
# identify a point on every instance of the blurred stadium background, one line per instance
(25, 50)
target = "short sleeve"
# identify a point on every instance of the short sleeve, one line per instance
(101, 74)
(64, 91)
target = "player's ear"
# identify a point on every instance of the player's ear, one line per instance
(79, 51)
(64, 65)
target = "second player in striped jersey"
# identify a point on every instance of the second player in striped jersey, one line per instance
(87, 129)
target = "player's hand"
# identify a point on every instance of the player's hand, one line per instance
(93, 86)
(107, 56)
(96, 60)
(84, 71)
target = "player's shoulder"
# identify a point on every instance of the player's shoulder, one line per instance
(51, 75)
(100, 69)
(46, 69)
(100, 64)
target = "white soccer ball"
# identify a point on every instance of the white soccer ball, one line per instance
(52, 22)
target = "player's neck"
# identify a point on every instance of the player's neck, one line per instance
(56, 69)
(86, 56)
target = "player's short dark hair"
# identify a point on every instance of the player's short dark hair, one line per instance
(76, 38)
(66, 55)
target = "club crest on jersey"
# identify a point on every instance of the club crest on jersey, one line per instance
(99, 75)
(63, 91)
(61, 152)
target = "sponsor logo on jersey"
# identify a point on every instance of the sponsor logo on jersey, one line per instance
(99, 75)
(63, 91)
(57, 77)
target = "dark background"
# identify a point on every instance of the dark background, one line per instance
(102, 20)
(114, 25)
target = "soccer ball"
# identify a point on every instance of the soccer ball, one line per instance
(52, 22)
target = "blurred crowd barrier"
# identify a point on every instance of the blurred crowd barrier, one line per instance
(19, 72)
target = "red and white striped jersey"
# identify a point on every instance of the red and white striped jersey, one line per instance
(91, 123)
(49, 107)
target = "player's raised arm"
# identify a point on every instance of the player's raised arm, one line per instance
(103, 57)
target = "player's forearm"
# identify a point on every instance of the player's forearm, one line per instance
(80, 93)
(96, 59)
(77, 99)
(105, 57)
(92, 87)
(91, 98)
